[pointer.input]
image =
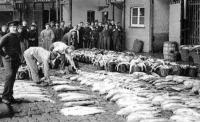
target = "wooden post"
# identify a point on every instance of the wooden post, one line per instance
(57, 10)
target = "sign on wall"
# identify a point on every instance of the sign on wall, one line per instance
(42, 0)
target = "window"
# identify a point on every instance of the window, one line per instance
(137, 17)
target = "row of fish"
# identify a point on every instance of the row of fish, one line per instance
(74, 103)
(139, 101)
(29, 92)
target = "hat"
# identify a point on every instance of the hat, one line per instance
(47, 24)
(33, 25)
(13, 23)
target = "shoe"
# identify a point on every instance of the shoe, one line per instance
(6, 101)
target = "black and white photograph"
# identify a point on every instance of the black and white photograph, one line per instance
(99, 60)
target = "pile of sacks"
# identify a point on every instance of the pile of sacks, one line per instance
(128, 62)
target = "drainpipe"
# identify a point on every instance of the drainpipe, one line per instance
(113, 7)
(124, 44)
(152, 24)
(70, 9)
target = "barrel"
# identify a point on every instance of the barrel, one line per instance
(170, 51)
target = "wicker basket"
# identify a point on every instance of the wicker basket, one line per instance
(195, 54)
(184, 51)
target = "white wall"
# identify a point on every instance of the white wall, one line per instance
(80, 8)
(141, 33)
(174, 22)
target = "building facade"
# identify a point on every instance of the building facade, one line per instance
(76, 11)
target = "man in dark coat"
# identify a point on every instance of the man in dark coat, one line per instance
(81, 33)
(58, 32)
(87, 35)
(117, 37)
(10, 51)
(24, 33)
(33, 37)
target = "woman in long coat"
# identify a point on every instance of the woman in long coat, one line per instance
(47, 36)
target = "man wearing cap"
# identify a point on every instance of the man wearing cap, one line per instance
(42, 56)
(65, 53)
(10, 51)
(32, 36)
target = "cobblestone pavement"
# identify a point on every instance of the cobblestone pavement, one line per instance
(50, 112)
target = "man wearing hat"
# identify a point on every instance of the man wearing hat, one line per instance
(10, 52)
(33, 36)
(34, 55)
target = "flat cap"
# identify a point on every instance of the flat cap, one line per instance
(13, 23)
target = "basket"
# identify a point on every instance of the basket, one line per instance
(195, 54)
(138, 46)
(112, 66)
(193, 71)
(123, 68)
(184, 51)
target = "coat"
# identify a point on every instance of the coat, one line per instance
(47, 37)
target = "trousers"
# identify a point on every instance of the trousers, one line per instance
(32, 64)
(11, 68)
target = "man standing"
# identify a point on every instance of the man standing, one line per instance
(81, 33)
(33, 37)
(117, 37)
(58, 32)
(24, 34)
(10, 51)
(47, 37)
(42, 56)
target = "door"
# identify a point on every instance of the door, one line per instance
(193, 22)
(104, 16)
(90, 16)
(45, 17)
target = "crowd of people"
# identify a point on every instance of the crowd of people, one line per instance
(84, 35)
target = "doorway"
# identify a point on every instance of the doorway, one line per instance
(45, 17)
(90, 16)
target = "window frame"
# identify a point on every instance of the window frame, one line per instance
(138, 17)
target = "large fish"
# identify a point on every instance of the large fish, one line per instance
(79, 103)
(184, 118)
(155, 120)
(187, 112)
(60, 82)
(81, 111)
(130, 109)
(77, 97)
(33, 98)
(63, 88)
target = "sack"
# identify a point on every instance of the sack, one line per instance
(193, 71)
(111, 66)
(22, 73)
(138, 46)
